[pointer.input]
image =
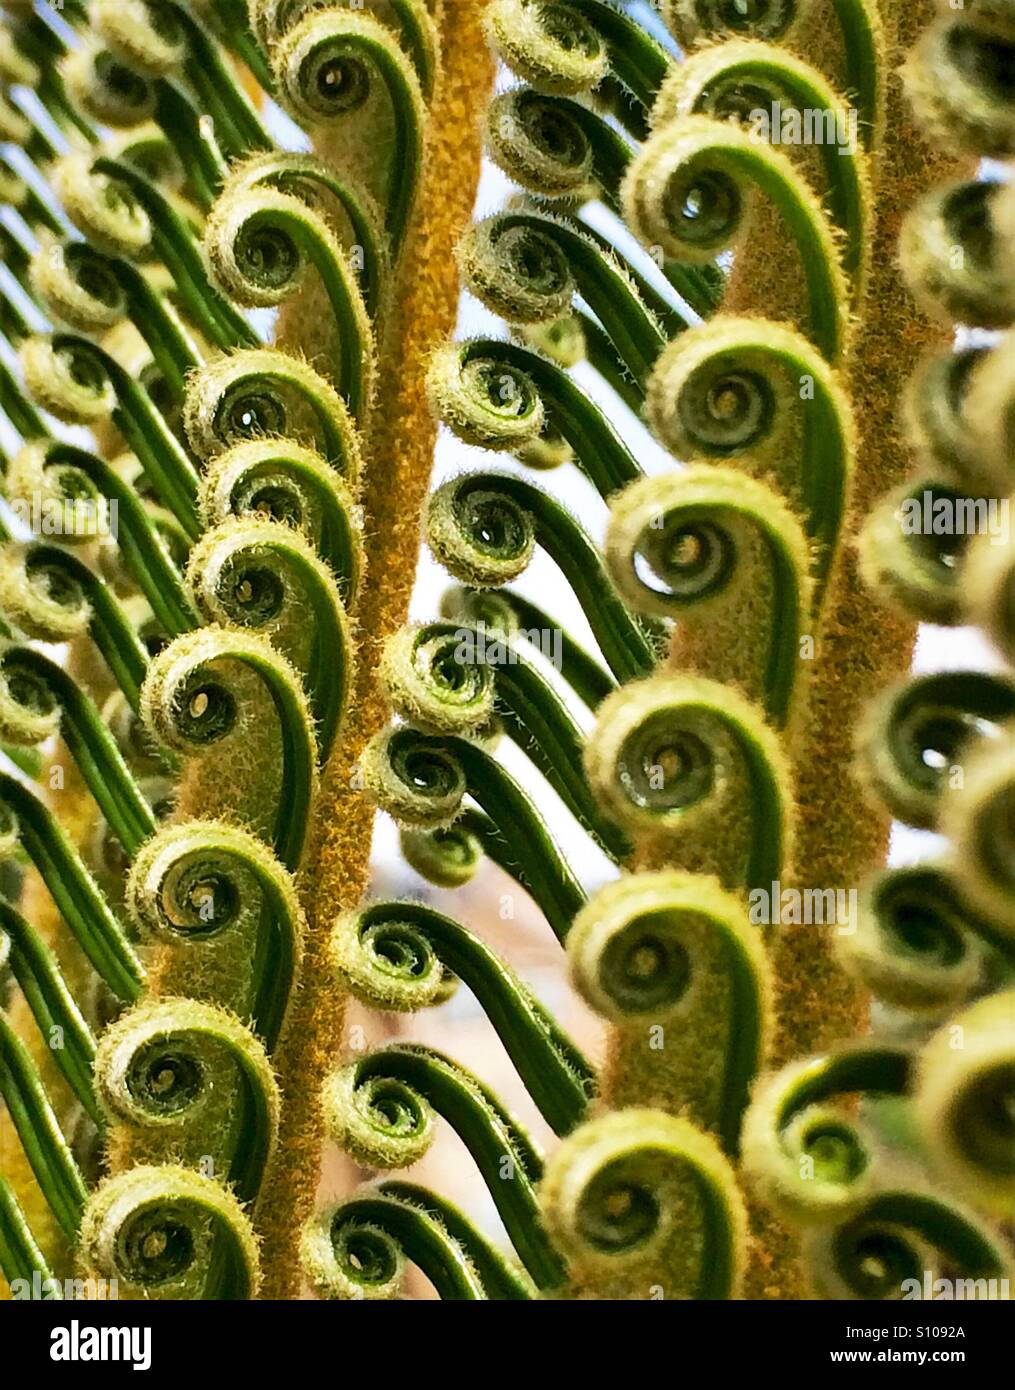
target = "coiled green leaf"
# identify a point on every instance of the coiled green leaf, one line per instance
(917, 736)
(162, 1068)
(381, 1109)
(692, 763)
(726, 555)
(228, 911)
(420, 781)
(806, 1152)
(483, 528)
(687, 191)
(397, 956)
(155, 1228)
(673, 951)
(621, 1195)
(190, 702)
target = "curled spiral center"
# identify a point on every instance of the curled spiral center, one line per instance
(645, 966)
(727, 410)
(27, 690)
(569, 30)
(946, 548)
(987, 59)
(74, 486)
(425, 772)
(244, 414)
(551, 129)
(533, 263)
(154, 1248)
(82, 370)
(534, 259)
(966, 213)
(617, 1212)
(394, 1107)
(276, 502)
(128, 86)
(736, 99)
(92, 277)
(166, 1081)
(268, 254)
(451, 672)
(254, 596)
(691, 559)
(494, 525)
(702, 208)
(59, 587)
(936, 739)
(984, 1120)
(341, 82)
(506, 390)
(118, 198)
(559, 138)
(877, 1262)
(368, 1255)
(663, 769)
(425, 769)
(403, 951)
(685, 550)
(836, 1154)
(199, 900)
(924, 929)
(206, 710)
(672, 762)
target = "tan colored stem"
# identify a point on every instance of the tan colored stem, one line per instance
(862, 647)
(397, 479)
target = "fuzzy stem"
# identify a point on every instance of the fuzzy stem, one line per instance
(863, 647)
(860, 648)
(396, 483)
